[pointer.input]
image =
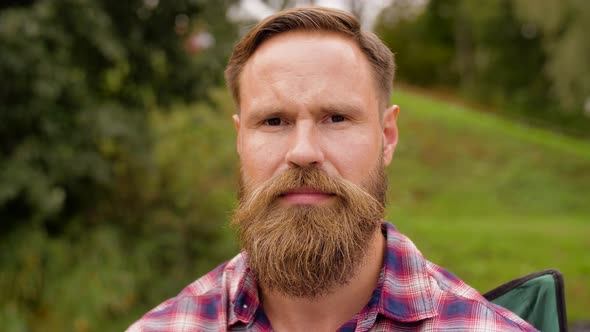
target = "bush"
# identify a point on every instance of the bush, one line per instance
(99, 216)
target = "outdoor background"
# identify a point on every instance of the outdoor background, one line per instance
(118, 165)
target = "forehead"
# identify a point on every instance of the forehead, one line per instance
(291, 43)
(307, 65)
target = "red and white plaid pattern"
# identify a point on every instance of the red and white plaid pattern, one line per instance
(413, 294)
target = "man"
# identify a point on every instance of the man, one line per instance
(314, 135)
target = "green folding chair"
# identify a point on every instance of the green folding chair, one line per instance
(537, 298)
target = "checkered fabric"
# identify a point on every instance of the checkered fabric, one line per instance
(413, 294)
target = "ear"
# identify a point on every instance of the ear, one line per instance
(390, 134)
(236, 120)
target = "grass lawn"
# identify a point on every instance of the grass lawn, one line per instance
(490, 199)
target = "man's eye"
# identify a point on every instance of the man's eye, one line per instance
(273, 122)
(337, 118)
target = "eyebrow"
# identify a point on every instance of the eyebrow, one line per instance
(259, 114)
(346, 109)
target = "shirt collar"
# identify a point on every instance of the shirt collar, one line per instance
(406, 294)
(405, 291)
(244, 299)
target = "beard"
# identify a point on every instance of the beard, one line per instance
(306, 251)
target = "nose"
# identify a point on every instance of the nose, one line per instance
(304, 149)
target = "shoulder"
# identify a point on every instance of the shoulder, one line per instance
(460, 305)
(202, 305)
(423, 290)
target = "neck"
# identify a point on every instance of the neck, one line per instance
(329, 312)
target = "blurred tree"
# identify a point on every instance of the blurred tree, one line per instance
(526, 57)
(88, 220)
(564, 25)
(431, 62)
(507, 58)
(77, 78)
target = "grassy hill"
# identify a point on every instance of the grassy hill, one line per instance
(492, 200)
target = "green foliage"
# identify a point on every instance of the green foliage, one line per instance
(431, 60)
(78, 78)
(105, 275)
(564, 25)
(504, 53)
(93, 210)
(507, 60)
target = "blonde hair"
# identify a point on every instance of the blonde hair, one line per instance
(314, 19)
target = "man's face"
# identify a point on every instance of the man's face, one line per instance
(313, 152)
(309, 99)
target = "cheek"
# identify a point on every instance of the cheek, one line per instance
(259, 159)
(354, 156)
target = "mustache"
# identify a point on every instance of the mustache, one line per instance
(310, 177)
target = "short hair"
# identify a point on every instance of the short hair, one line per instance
(314, 19)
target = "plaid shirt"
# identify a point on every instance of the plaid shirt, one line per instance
(412, 294)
